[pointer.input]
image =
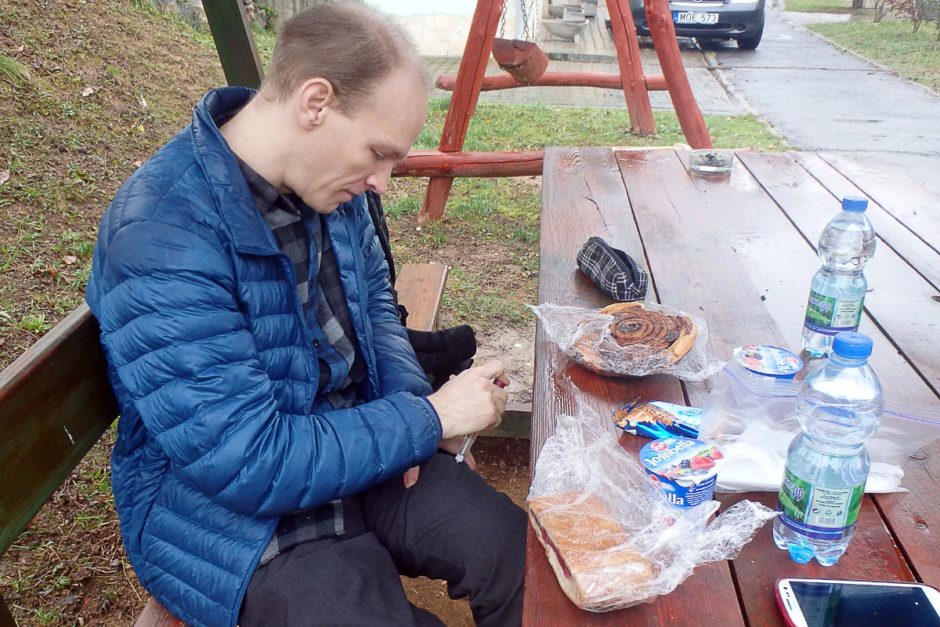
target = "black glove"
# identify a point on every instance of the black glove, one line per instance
(444, 353)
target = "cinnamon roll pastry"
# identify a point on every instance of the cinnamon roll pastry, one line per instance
(645, 338)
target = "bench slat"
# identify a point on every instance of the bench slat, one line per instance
(56, 403)
(420, 288)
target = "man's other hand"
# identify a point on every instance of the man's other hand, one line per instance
(471, 401)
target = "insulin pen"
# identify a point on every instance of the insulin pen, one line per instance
(469, 439)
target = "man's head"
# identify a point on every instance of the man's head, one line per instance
(347, 44)
(351, 90)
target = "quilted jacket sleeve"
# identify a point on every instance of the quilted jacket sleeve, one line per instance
(172, 328)
(397, 365)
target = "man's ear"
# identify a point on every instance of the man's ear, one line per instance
(314, 97)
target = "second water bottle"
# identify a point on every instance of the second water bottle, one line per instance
(837, 293)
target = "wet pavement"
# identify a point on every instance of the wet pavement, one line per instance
(820, 97)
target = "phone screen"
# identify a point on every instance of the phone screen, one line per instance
(845, 604)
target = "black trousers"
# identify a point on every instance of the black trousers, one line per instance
(450, 525)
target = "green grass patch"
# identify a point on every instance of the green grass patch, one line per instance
(915, 56)
(529, 127)
(819, 6)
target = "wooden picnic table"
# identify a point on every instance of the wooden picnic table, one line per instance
(739, 252)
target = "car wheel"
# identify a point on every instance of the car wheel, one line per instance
(751, 43)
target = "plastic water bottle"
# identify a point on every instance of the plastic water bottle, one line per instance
(837, 294)
(838, 407)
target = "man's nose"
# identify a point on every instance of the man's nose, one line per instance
(378, 181)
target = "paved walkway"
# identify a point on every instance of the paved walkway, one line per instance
(822, 98)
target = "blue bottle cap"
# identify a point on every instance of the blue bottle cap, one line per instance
(854, 203)
(852, 345)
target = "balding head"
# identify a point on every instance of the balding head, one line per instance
(347, 44)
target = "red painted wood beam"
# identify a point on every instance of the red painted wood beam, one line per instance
(659, 19)
(556, 79)
(476, 54)
(450, 164)
(631, 67)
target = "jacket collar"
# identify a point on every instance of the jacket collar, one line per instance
(220, 166)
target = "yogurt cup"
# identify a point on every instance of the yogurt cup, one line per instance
(683, 470)
(768, 361)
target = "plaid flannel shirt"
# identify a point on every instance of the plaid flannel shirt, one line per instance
(299, 234)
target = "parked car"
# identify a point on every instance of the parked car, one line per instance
(741, 20)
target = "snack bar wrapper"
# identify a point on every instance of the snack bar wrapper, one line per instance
(612, 540)
(631, 339)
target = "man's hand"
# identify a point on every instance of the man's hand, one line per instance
(471, 401)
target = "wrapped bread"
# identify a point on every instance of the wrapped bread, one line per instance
(588, 550)
(640, 336)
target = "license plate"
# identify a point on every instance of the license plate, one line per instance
(693, 17)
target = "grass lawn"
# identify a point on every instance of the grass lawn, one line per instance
(915, 56)
(819, 6)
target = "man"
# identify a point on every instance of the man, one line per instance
(270, 401)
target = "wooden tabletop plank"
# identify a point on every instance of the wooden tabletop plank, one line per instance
(696, 268)
(906, 200)
(583, 195)
(918, 248)
(900, 300)
(913, 516)
(871, 556)
(783, 279)
(680, 214)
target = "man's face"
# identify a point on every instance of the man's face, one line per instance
(351, 153)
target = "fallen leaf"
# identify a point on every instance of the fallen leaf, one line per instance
(143, 102)
(4, 176)
(87, 92)
(137, 164)
(70, 259)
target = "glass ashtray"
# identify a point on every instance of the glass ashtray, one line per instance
(711, 161)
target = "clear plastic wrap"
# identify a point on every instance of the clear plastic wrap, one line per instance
(611, 539)
(753, 419)
(587, 337)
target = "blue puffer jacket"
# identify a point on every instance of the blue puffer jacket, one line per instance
(215, 374)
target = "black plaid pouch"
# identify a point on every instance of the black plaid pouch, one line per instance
(612, 270)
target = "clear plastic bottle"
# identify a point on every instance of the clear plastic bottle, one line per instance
(838, 406)
(837, 293)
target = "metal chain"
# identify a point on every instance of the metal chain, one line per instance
(525, 20)
(502, 22)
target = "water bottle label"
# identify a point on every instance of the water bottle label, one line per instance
(817, 509)
(829, 315)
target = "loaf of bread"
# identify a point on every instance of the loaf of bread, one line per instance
(638, 339)
(588, 550)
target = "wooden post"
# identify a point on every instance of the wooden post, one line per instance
(234, 43)
(659, 19)
(6, 618)
(631, 69)
(464, 101)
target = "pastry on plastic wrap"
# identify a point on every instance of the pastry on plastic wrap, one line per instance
(637, 334)
(588, 550)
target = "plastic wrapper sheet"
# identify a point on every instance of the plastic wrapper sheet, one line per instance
(590, 338)
(612, 540)
(753, 419)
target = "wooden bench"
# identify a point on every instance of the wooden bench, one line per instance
(56, 402)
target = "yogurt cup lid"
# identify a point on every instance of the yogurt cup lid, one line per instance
(682, 459)
(771, 361)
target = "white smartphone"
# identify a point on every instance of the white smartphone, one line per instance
(842, 603)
